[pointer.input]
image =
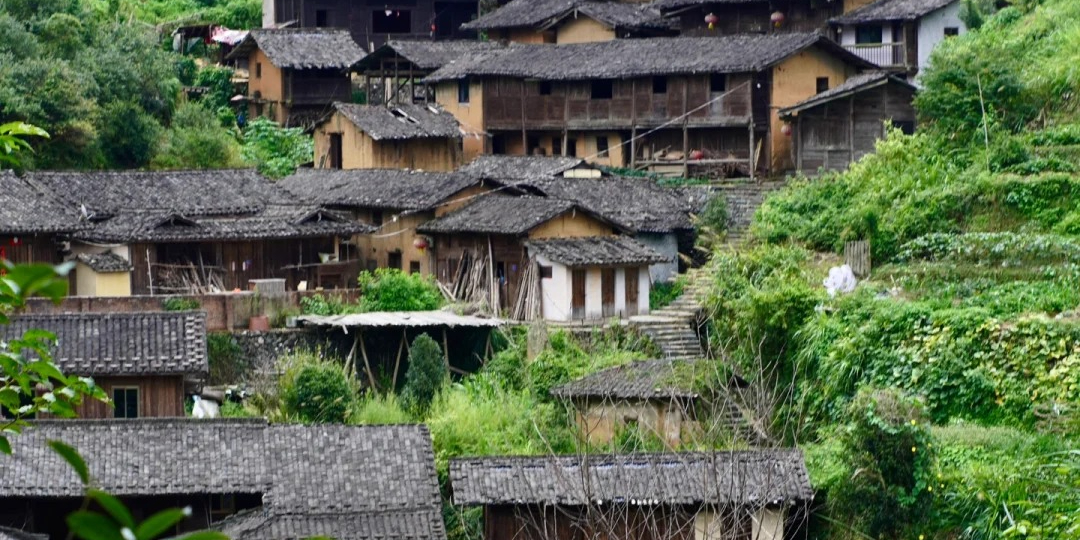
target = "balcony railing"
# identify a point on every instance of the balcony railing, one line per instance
(882, 54)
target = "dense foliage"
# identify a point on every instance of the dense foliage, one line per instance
(276, 151)
(387, 289)
(426, 376)
(319, 392)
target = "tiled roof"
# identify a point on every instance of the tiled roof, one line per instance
(140, 343)
(302, 48)
(498, 214)
(646, 379)
(7, 533)
(676, 4)
(426, 55)
(392, 189)
(502, 167)
(105, 263)
(734, 477)
(27, 209)
(635, 203)
(347, 482)
(401, 121)
(891, 10)
(855, 84)
(595, 250)
(531, 13)
(623, 58)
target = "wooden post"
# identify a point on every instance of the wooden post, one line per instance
(367, 365)
(350, 361)
(524, 135)
(446, 349)
(851, 129)
(397, 361)
(565, 121)
(493, 294)
(798, 143)
(633, 124)
(685, 128)
(487, 349)
(753, 159)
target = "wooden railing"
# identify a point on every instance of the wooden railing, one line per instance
(882, 54)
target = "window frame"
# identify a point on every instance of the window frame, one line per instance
(126, 389)
(602, 89)
(821, 84)
(464, 91)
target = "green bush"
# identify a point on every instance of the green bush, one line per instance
(318, 304)
(276, 151)
(388, 289)
(196, 140)
(228, 364)
(180, 303)
(220, 90)
(664, 293)
(426, 375)
(376, 409)
(320, 393)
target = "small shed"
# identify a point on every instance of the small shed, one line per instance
(593, 277)
(657, 396)
(839, 126)
(405, 136)
(102, 274)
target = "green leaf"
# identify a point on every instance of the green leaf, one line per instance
(159, 523)
(93, 526)
(73, 458)
(205, 535)
(113, 506)
(5, 445)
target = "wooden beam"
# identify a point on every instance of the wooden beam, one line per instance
(397, 361)
(851, 129)
(524, 135)
(446, 349)
(685, 128)
(367, 364)
(633, 123)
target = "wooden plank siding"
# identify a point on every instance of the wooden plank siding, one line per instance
(507, 251)
(159, 397)
(576, 523)
(38, 248)
(358, 16)
(742, 17)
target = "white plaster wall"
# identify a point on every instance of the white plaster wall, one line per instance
(556, 292)
(847, 35)
(620, 291)
(644, 286)
(594, 308)
(666, 245)
(932, 30)
(768, 524)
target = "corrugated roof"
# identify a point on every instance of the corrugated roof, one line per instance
(405, 121)
(623, 58)
(302, 48)
(392, 189)
(891, 10)
(854, 85)
(595, 251)
(754, 477)
(499, 214)
(114, 344)
(402, 319)
(425, 55)
(531, 13)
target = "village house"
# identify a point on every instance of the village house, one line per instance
(243, 477)
(192, 232)
(374, 22)
(684, 106)
(726, 17)
(571, 21)
(403, 136)
(295, 74)
(838, 127)
(753, 494)
(33, 223)
(145, 362)
(655, 396)
(899, 35)
(392, 202)
(505, 168)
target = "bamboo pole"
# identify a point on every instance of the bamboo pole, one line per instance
(446, 349)
(397, 361)
(367, 365)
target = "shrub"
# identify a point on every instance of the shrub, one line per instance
(179, 303)
(276, 151)
(228, 364)
(664, 293)
(196, 140)
(426, 375)
(318, 304)
(320, 393)
(376, 409)
(712, 222)
(389, 289)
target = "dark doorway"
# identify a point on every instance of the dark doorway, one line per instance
(393, 260)
(631, 291)
(335, 151)
(607, 292)
(577, 300)
(391, 21)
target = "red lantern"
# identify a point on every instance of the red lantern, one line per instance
(432, 28)
(697, 154)
(420, 243)
(786, 130)
(777, 18)
(712, 19)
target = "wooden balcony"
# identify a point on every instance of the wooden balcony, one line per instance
(890, 55)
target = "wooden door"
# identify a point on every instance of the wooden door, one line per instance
(335, 151)
(607, 292)
(631, 291)
(577, 300)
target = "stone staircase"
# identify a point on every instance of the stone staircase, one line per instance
(673, 327)
(743, 199)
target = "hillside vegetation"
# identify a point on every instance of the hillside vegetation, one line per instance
(966, 333)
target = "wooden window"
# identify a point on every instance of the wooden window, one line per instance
(571, 147)
(321, 18)
(907, 127)
(952, 31)
(545, 88)
(393, 260)
(822, 84)
(414, 267)
(717, 83)
(376, 218)
(602, 89)
(463, 91)
(222, 506)
(258, 70)
(125, 402)
(868, 34)
(545, 272)
(659, 85)
(601, 146)
(391, 21)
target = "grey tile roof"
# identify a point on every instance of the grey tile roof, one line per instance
(347, 482)
(425, 55)
(622, 58)
(302, 48)
(854, 85)
(637, 204)
(27, 209)
(499, 214)
(531, 13)
(405, 121)
(105, 263)
(208, 205)
(734, 477)
(502, 167)
(891, 10)
(139, 343)
(596, 250)
(392, 189)
(646, 379)
(8, 533)
(676, 4)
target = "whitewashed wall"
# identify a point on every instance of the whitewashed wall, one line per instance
(666, 244)
(932, 30)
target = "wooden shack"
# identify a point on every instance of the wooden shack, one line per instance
(753, 494)
(404, 136)
(574, 21)
(838, 127)
(295, 74)
(686, 106)
(145, 362)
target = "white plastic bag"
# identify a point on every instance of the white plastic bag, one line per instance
(841, 280)
(204, 408)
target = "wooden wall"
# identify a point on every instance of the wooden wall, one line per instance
(575, 523)
(360, 151)
(507, 251)
(316, 86)
(738, 18)
(37, 248)
(158, 397)
(834, 134)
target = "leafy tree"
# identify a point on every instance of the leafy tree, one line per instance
(127, 135)
(426, 376)
(276, 151)
(219, 81)
(195, 140)
(389, 289)
(321, 393)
